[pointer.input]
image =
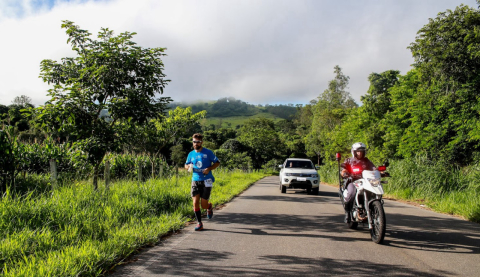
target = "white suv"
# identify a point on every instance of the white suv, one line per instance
(299, 173)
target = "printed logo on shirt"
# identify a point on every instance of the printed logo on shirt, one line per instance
(204, 156)
(199, 164)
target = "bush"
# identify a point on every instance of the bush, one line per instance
(271, 166)
(230, 160)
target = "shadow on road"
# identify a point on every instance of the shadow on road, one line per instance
(330, 194)
(297, 198)
(433, 234)
(194, 262)
(403, 231)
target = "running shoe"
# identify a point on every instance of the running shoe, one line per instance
(199, 227)
(210, 211)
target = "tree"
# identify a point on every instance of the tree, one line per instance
(259, 135)
(22, 100)
(444, 110)
(233, 145)
(111, 73)
(376, 102)
(367, 123)
(155, 134)
(332, 105)
(178, 154)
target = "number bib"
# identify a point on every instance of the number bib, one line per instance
(208, 183)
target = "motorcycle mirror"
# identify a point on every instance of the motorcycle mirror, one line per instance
(338, 156)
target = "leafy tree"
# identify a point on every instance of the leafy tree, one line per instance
(3, 112)
(332, 105)
(303, 118)
(443, 113)
(376, 102)
(366, 123)
(7, 162)
(154, 135)
(233, 145)
(178, 155)
(259, 135)
(232, 160)
(293, 142)
(18, 116)
(219, 136)
(111, 73)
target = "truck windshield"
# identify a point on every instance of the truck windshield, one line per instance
(299, 164)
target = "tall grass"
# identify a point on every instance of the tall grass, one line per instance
(441, 186)
(75, 230)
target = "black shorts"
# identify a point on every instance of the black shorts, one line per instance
(198, 187)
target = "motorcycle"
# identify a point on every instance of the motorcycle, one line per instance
(368, 204)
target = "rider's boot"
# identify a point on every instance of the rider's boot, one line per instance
(347, 212)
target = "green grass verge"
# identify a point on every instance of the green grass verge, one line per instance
(75, 230)
(439, 186)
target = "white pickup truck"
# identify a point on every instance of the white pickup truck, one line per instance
(299, 173)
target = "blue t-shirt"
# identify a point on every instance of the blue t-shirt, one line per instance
(201, 160)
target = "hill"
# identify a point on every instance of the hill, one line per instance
(230, 112)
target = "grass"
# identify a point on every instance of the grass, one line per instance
(437, 185)
(74, 230)
(237, 120)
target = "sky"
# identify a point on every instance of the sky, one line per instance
(259, 51)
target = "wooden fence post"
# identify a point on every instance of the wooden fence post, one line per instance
(176, 175)
(139, 171)
(107, 174)
(53, 172)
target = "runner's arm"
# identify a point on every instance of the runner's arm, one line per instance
(210, 168)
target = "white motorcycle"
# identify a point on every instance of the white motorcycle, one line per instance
(368, 204)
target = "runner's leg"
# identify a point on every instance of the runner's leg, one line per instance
(205, 204)
(196, 208)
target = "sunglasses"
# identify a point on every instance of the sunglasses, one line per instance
(197, 141)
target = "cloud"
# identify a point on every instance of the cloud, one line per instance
(258, 51)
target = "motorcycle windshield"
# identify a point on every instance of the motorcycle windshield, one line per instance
(371, 174)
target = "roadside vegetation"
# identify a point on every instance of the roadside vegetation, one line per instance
(76, 230)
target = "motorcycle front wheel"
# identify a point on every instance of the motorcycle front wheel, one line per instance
(379, 223)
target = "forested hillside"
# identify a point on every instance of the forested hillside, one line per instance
(229, 107)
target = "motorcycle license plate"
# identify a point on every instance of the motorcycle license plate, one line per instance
(301, 179)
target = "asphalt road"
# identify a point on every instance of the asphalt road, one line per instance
(265, 233)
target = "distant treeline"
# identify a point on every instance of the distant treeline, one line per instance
(229, 106)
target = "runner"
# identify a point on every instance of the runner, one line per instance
(201, 161)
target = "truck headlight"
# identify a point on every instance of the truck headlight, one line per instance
(288, 174)
(314, 176)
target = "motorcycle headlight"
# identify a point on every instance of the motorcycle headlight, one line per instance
(374, 182)
(314, 175)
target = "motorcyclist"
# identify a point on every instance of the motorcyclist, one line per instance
(358, 160)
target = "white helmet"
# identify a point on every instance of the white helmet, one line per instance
(359, 146)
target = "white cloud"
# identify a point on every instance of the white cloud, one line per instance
(257, 51)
